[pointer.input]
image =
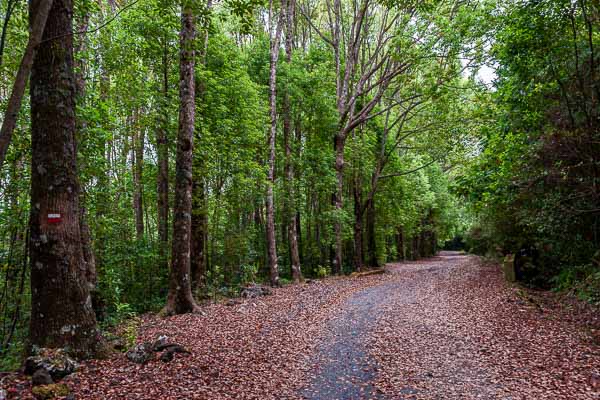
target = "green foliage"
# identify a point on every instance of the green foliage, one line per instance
(126, 65)
(583, 280)
(529, 186)
(322, 272)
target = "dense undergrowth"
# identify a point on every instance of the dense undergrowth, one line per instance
(534, 187)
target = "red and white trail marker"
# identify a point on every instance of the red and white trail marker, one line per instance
(54, 218)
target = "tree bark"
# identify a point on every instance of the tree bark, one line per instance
(199, 201)
(400, 244)
(371, 240)
(138, 162)
(80, 87)
(288, 137)
(10, 8)
(358, 224)
(199, 235)
(180, 299)
(61, 305)
(162, 178)
(79, 49)
(88, 251)
(37, 24)
(269, 201)
(338, 202)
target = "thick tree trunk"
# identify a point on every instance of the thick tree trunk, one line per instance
(180, 299)
(338, 202)
(162, 183)
(269, 201)
(61, 306)
(40, 14)
(371, 239)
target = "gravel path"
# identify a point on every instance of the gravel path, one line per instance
(444, 328)
(342, 367)
(450, 328)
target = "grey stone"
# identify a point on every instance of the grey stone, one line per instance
(41, 377)
(55, 361)
(141, 353)
(252, 291)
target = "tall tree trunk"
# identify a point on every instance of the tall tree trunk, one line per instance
(371, 240)
(61, 306)
(162, 179)
(79, 50)
(199, 201)
(338, 201)
(358, 224)
(271, 243)
(199, 235)
(288, 137)
(80, 86)
(88, 251)
(10, 8)
(39, 16)
(400, 244)
(415, 247)
(180, 299)
(138, 163)
(297, 172)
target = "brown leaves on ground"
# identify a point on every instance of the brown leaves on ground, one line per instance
(465, 334)
(448, 328)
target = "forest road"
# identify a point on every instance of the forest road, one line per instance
(435, 329)
(444, 328)
(344, 367)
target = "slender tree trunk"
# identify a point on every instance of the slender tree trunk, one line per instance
(298, 131)
(400, 244)
(88, 251)
(338, 202)
(371, 240)
(138, 197)
(10, 8)
(199, 235)
(269, 201)
(61, 305)
(199, 201)
(80, 87)
(415, 247)
(79, 50)
(162, 144)
(37, 24)
(358, 224)
(288, 137)
(180, 299)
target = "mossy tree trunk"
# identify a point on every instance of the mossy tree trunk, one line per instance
(61, 306)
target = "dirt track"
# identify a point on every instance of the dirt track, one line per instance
(442, 328)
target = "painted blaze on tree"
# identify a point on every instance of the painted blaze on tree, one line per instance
(62, 314)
